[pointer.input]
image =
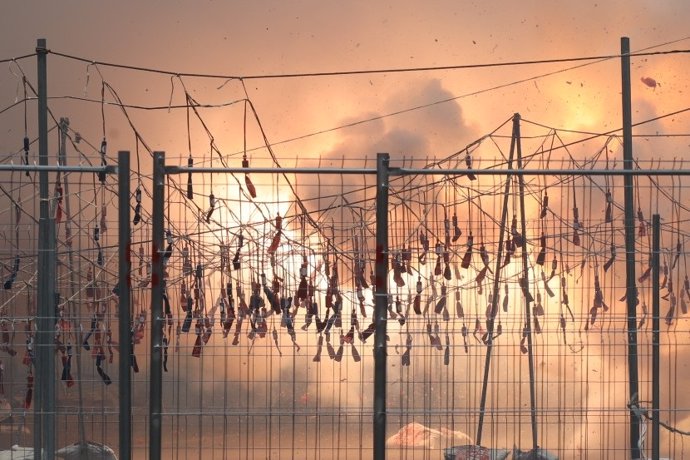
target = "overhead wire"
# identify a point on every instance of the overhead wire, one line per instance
(365, 71)
(17, 58)
(595, 59)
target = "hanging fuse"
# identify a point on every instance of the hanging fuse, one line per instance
(468, 163)
(679, 248)
(212, 206)
(247, 180)
(612, 257)
(459, 311)
(642, 225)
(484, 255)
(141, 260)
(554, 266)
(464, 334)
(424, 240)
(104, 223)
(236, 259)
(13, 274)
(417, 306)
(609, 207)
(441, 304)
(26, 154)
(544, 205)
(437, 269)
(541, 258)
(101, 174)
(456, 230)
(275, 242)
(137, 207)
(446, 270)
(467, 258)
(190, 188)
(58, 201)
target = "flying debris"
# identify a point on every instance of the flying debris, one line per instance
(650, 82)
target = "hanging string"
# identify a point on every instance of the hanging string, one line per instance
(576, 218)
(190, 160)
(245, 162)
(211, 196)
(564, 299)
(608, 218)
(137, 192)
(676, 211)
(104, 143)
(467, 258)
(26, 127)
(447, 275)
(14, 220)
(680, 249)
(483, 253)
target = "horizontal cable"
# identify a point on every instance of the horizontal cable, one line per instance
(109, 169)
(363, 71)
(429, 172)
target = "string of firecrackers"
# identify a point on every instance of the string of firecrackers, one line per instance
(9, 284)
(64, 330)
(257, 313)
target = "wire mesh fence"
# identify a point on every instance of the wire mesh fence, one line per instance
(509, 308)
(59, 355)
(506, 311)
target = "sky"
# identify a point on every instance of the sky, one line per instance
(331, 120)
(262, 38)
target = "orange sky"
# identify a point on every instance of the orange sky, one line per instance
(279, 37)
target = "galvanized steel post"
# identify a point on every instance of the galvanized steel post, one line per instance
(514, 143)
(630, 286)
(44, 408)
(380, 306)
(156, 349)
(656, 324)
(124, 296)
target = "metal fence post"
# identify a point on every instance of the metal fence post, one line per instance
(514, 145)
(381, 304)
(156, 372)
(656, 359)
(630, 287)
(124, 285)
(44, 422)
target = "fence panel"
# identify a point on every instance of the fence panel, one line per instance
(506, 318)
(506, 325)
(74, 348)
